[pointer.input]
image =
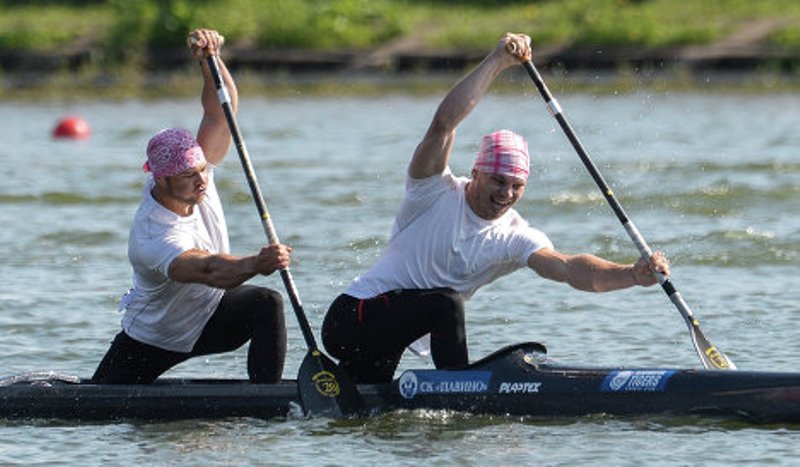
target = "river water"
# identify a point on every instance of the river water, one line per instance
(711, 178)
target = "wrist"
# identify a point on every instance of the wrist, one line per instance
(632, 271)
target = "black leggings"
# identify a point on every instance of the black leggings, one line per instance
(244, 313)
(369, 336)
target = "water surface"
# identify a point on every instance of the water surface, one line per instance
(713, 180)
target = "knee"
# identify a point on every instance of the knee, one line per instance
(451, 300)
(263, 298)
(270, 298)
(339, 325)
(267, 303)
(449, 307)
(330, 334)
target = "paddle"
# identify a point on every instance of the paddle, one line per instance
(324, 389)
(711, 357)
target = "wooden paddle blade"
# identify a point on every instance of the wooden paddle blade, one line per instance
(325, 390)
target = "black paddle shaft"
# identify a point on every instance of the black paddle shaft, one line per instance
(709, 355)
(324, 389)
(266, 221)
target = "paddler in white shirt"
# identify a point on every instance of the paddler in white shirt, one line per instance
(453, 235)
(189, 296)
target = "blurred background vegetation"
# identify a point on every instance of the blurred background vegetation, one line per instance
(118, 30)
(101, 47)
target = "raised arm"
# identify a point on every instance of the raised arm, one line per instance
(433, 152)
(213, 134)
(590, 273)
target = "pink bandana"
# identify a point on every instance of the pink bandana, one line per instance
(503, 152)
(171, 152)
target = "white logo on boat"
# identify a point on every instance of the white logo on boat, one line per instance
(522, 387)
(413, 383)
(636, 380)
(408, 385)
(619, 380)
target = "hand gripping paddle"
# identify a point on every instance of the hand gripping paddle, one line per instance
(324, 389)
(710, 356)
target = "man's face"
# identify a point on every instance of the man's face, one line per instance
(494, 194)
(188, 186)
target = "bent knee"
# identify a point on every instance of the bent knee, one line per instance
(262, 297)
(266, 303)
(450, 298)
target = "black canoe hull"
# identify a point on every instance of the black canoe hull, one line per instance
(517, 380)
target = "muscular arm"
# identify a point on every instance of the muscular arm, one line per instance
(225, 271)
(213, 134)
(590, 273)
(433, 152)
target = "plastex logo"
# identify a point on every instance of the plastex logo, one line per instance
(326, 383)
(520, 387)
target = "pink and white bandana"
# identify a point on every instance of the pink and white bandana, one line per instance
(171, 152)
(503, 152)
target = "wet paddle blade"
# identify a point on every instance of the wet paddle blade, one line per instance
(711, 357)
(325, 390)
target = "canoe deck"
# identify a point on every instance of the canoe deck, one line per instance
(517, 380)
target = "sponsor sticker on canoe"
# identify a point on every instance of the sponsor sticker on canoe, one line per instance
(636, 380)
(520, 387)
(418, 382)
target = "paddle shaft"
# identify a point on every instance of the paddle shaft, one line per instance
(709, 355)
(258, 197)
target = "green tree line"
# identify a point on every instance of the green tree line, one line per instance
(118, 30)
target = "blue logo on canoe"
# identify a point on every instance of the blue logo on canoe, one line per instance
(636, 381)
(417, 382)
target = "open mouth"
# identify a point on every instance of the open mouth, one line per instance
(500, 204)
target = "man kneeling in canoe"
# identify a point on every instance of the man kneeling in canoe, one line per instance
(188, 297)
(453, 235)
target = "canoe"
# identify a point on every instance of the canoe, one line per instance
(517, 380)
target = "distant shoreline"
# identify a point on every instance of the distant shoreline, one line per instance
(76, 75)
(706, 57)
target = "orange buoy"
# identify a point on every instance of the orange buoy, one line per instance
(72, 127)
